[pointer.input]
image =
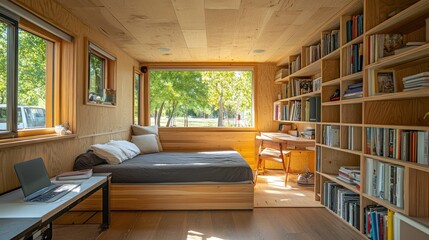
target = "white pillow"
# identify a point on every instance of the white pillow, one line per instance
(112, 154)
(128, 148)
(143, 130)
(146, 143)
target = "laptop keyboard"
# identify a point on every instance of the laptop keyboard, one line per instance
(55, 193)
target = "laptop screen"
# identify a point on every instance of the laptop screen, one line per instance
(32, 175)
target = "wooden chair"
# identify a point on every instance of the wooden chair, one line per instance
(272, 150)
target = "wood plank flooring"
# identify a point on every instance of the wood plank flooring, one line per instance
(261, 223)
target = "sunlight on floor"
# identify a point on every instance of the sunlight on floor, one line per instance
(194, 235)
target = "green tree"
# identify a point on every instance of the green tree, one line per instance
(3, 62)
(177, 92)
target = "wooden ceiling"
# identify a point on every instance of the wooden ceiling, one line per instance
(206, 30)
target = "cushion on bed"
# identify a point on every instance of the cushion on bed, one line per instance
(146, 143)
(128, 148)
(143, 130)
(112, 154)
(87, 161)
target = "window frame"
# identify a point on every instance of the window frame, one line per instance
(140, 117)
(53, 109)
(109, 75)
(203, 67)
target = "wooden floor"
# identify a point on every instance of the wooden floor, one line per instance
(261, 223)
(270, 191)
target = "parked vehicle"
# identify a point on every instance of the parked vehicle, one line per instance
(28, 117)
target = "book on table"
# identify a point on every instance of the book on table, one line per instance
(75, 175)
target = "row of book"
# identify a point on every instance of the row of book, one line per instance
(354, 138)
(354, 56)
(405, 145)
(354, 27)
(343, 202)
(378, 222)
(312, 53)
(385, 181)
(318, 158)
(416, 81)
(282, 73)
(295, 111)
(353, 91)
(331, 135)
(383, 45)
(295, 64)
(330, 41)
(350, 175)
(299, 86)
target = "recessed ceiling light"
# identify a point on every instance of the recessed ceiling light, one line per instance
(164, 50)
(258, 50)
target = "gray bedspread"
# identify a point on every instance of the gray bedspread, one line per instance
(174, 167)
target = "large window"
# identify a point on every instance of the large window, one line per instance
(201, 98)
(30, 63)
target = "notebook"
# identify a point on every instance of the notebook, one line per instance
(35, 182)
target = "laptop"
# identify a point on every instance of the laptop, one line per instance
(35, 182)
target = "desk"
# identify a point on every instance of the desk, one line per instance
(16, 228)
(290, 141)
(12, 205)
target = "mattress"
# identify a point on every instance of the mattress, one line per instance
(180, 167)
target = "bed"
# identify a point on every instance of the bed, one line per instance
(177, 181)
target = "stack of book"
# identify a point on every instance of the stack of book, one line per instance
(354, 27)
(385, 181)
(308, 133)
(416, 81)
(405, 145)
(343, 202)
(349, 174)
(353, 91)
(383, 45)
(354, 53)
(378, 222)
(331, 135)
(75, 175)
(330, 41)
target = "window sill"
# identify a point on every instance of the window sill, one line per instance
(6, 143)
(100, 104)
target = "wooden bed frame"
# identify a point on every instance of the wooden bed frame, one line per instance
(174, 197)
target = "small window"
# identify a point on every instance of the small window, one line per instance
(101, 77)
(137, 97)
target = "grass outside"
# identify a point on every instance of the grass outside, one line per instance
(200, 122)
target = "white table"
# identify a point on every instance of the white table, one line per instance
(13, 206)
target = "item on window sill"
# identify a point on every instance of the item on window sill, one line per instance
(335, 96)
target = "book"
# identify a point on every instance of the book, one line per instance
(75, 175)
(314, 110)
(385, 81)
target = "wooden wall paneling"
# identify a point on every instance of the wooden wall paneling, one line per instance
(333, 160)
(331, 114)
(265, 94)
(419, 194)
(351, 113)
(394, 111)
(330, 69)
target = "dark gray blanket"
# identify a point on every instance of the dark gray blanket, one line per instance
(175, 167)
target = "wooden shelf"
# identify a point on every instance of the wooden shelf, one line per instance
(282, 80)
(418, 128)
(416, 166)
(342, 149)
(358, 39)
(302, 96)
(403, 57)
(399, 95)
(384, 203)
(288, 121)
(332, 103)
(332, 82)
(334, 178)
(406, 16)
(332, 55)
(358, 75)
(310, 70)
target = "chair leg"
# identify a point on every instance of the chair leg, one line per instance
(259, 165)
(288, 166)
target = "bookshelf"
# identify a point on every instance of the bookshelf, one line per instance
(362, 106)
